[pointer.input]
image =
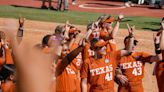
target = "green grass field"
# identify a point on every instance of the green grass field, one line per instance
(75, 17)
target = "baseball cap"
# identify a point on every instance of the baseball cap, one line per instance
(72, 29)
(109, 19)
(98, 42)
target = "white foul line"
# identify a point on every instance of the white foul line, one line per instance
(98, 8)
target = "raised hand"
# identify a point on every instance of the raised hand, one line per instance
(4, 43)
(67, 28)
(131, 29)
(156, 38)
(21, 21)
(120, 17)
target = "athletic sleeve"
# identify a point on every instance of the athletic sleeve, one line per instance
(111, 46)
(8, 57)
(84, 69)
(146, 57)
(117, 56)
(86, 53)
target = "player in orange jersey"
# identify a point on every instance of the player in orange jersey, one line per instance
(6, 57)
(102, 29)
(159, 71)
(132, 65)
(66, 75)
(99, 70)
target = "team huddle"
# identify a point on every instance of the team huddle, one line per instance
(86, 62)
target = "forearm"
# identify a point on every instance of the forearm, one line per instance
(84, 85)
(158, 56)
(162, 40)
(74, 53)
(66, 34)
(88, 34)
(71, 42)
(130, 45)
(115, 29)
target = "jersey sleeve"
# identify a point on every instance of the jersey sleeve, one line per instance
(116, 55)
(146, 57)
(8, 57)
(84, 69)
(111, 46)
(85, 52)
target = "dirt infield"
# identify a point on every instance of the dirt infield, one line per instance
(35, 30)
(102, 6)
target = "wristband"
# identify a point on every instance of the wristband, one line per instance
(1, 52)
(157, 45)
(119, 20)
(20, 32)
(161, 60)
(158, 51)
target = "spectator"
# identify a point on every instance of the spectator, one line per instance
(59, 7)
(73, 2)
(45, 7)
(159, 4)
(128, 3)
(152, 3)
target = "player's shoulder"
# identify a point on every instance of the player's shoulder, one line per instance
(144, 54)
(136, 54)
(124, 59)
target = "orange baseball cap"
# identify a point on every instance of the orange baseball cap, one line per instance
(109, 19)
(100, 43)
(72, 30)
